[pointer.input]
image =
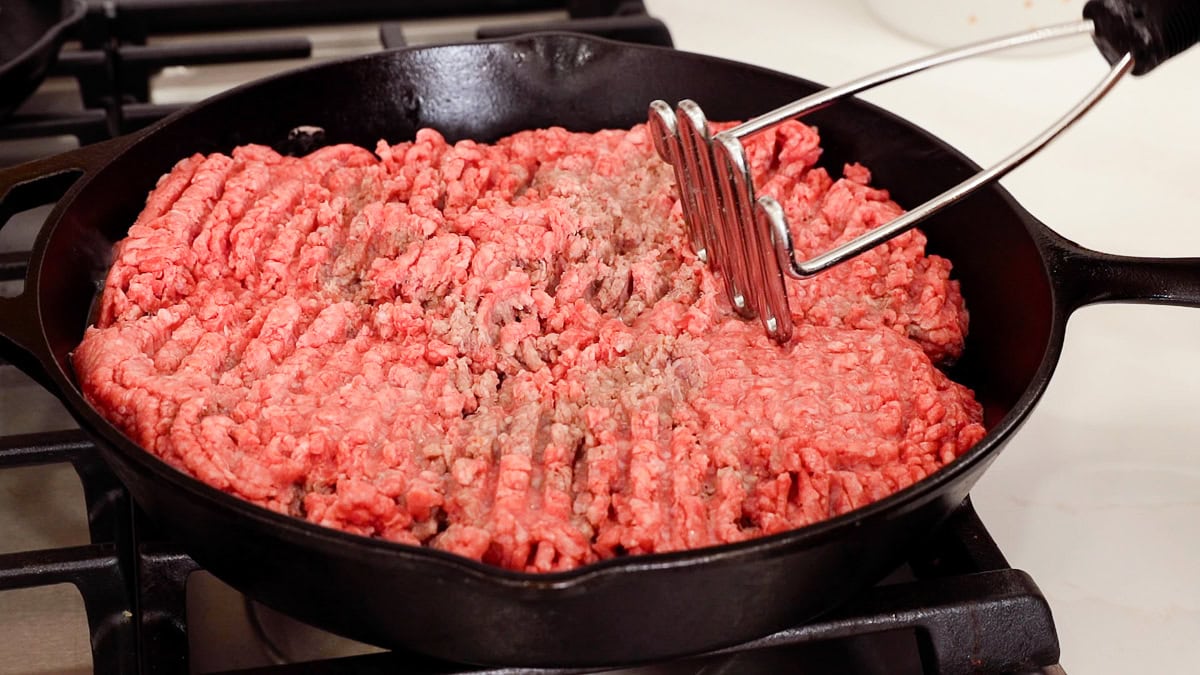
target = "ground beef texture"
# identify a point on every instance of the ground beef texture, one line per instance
(508, 351)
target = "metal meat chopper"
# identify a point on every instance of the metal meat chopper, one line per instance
(747, 241)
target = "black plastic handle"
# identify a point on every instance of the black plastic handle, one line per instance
(26, 186)
(1152, 30)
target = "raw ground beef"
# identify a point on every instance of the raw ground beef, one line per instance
(509, 352)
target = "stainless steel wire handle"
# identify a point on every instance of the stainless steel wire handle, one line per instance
(747, 242)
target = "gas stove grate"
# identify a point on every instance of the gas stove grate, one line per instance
(102, 570)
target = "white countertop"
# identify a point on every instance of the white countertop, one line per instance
(1098, 496)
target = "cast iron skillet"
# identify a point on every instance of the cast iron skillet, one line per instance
(1020, 279)
(31, 33)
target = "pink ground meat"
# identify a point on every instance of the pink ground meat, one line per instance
(509, 352)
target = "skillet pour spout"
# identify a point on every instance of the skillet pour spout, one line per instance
(627, 610)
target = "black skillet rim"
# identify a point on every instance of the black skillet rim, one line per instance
(340, 544)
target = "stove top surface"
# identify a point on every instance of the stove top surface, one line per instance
(1098, 463)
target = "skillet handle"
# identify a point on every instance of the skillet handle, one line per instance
(1088, 277)
(1152, 30)
(26, 186)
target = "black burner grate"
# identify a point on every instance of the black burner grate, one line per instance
(103, 571)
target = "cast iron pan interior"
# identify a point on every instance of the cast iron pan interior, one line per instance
(621, 611)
